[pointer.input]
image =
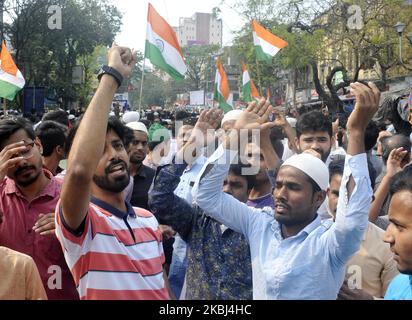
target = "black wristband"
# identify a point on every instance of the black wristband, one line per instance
(112, 72)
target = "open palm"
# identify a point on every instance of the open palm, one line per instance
(255, 116)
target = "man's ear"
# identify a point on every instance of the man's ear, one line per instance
(296, 144)
(318, 198)
(60, 151)
(39, 145)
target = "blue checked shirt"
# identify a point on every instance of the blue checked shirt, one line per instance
(310, 265)
(219, 264)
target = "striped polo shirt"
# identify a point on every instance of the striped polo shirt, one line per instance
(116, 255)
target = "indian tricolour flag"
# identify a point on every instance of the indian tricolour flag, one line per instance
(11, 79)
(267, 45)
(162, 46)
(222, 91)
(249, 91)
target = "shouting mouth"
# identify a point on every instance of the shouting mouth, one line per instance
(281, 208)
(117, 169)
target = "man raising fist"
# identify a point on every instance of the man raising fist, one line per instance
(114, 251)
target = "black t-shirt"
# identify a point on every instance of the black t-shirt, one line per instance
(142, 182)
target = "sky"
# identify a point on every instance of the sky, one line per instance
(133, 33)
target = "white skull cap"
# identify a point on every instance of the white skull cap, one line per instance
(311, 166)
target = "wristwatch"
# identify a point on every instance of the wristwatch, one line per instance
(112, 72)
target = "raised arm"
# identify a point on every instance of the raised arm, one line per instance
(88, 145)
(272, 160)
(207, 192)
(168, 208)
(345, 236)
(393, 167)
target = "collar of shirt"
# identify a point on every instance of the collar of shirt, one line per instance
(112, 210)
(277, 228)
(51, 190)
(200, 161)
(142, 172)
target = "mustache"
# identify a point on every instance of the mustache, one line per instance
(113, 164)
(20, 170)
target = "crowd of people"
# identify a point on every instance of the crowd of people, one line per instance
(258, 203)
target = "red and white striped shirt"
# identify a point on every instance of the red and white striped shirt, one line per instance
(118, 256)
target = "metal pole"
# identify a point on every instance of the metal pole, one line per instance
(141, 86)
(1, 20)
(258, 74)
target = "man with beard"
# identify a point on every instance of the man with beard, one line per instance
(143, 175)
(27, 193)
(114, 251)
(314, 132)
(295, 255)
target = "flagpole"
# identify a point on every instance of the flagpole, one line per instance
(141, 86)
(258, 74)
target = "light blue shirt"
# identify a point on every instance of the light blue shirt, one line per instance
(400, 288)
(188, 178)
(310, 265)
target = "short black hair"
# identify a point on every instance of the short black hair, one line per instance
(8, 127)
(118, 127)
(314, 121)
(113, 124)
(394, 142)
(59, 116)
(51, 135)
(371, 135)
(337, 166)
(402, 181)
(237, 169)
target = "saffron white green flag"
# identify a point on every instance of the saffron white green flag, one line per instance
(11, 79)
(249, 91)
(267, 45)
(162, 46)
(222, 90)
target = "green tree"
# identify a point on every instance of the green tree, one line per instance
(47, 57)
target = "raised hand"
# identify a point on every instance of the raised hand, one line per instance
(201, 136)
(367, 104)
(122, 59)
(394, 164)
(208, 121)
(280, 119)
(10, 157)
(256, 115)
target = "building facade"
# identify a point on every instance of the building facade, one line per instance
(200, 29)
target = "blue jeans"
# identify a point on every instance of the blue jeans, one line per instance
(178, 266)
